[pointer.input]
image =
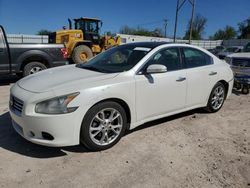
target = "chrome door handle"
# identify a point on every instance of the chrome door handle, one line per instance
(180, 79)
(212, 73)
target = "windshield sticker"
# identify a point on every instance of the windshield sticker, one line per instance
(142, 49)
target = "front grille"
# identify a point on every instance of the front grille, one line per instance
(16, 104)
(241, 62)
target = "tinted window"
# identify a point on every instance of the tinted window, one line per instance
(117, 59)
(196, 58)
(169, 57)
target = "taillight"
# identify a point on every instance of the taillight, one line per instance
(64, 53)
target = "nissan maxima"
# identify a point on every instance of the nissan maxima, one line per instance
(96, 102)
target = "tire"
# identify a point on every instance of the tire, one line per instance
(81, 54)
(216, 100)
(245, 90)
(96, 132)
(32, 68)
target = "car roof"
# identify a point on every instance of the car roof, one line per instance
(147, 44)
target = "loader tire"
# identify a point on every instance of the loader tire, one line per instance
(81, 54)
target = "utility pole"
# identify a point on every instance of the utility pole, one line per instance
(165, 27)
(192, 2)
(176, 18)
(178, 7)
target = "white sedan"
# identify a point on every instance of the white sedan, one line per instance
(96, 102)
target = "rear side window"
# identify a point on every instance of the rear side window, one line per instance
(196, 58)
(169, 57)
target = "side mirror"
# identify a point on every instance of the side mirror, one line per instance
(156, 68)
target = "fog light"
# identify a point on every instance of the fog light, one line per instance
(47, 136)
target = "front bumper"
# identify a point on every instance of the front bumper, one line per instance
(63, 129)
(230, 88)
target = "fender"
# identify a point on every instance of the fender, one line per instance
(87, 43)
(32, 53)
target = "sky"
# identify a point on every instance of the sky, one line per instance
(30, 16)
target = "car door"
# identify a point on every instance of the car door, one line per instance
(201, 76)
(4, 61)
(161, 93)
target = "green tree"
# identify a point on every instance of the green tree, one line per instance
(157, 32)
(44, 32)
(109, 33)
(224, 34)
(198, 28)
(244, 29)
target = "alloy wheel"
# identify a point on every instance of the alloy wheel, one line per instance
(35, 70)
(218, 97)
(106, 126)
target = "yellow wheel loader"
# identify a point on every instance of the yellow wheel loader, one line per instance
(83, 41)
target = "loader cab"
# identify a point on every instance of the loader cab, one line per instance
(90, 28)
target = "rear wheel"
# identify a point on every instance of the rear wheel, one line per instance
(103, 126)
(245, 90)
(81, 54)
(32, 68)
(217, 98)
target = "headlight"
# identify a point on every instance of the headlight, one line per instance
(57, 105)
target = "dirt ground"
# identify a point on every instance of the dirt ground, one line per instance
(193, 149)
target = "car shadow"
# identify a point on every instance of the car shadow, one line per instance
(11, 141)
(237, 92)
(167, 119)
(8, 79)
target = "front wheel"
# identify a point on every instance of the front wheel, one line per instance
(103, 126)
(217, 98)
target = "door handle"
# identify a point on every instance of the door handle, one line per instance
(212, 73)
(180, 79)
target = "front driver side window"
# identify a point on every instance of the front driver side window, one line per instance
(169, 57)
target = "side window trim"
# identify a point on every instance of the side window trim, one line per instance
(140, 70)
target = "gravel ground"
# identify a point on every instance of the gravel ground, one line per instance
(193, 149)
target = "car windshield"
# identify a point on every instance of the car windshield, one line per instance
(219, 47)
(231, 49)
(117, 59)
(247, 48)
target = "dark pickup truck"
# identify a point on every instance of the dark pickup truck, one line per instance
(26, 59)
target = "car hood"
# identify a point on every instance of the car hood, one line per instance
(64, 76)
(240, 55)
(224, 53)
